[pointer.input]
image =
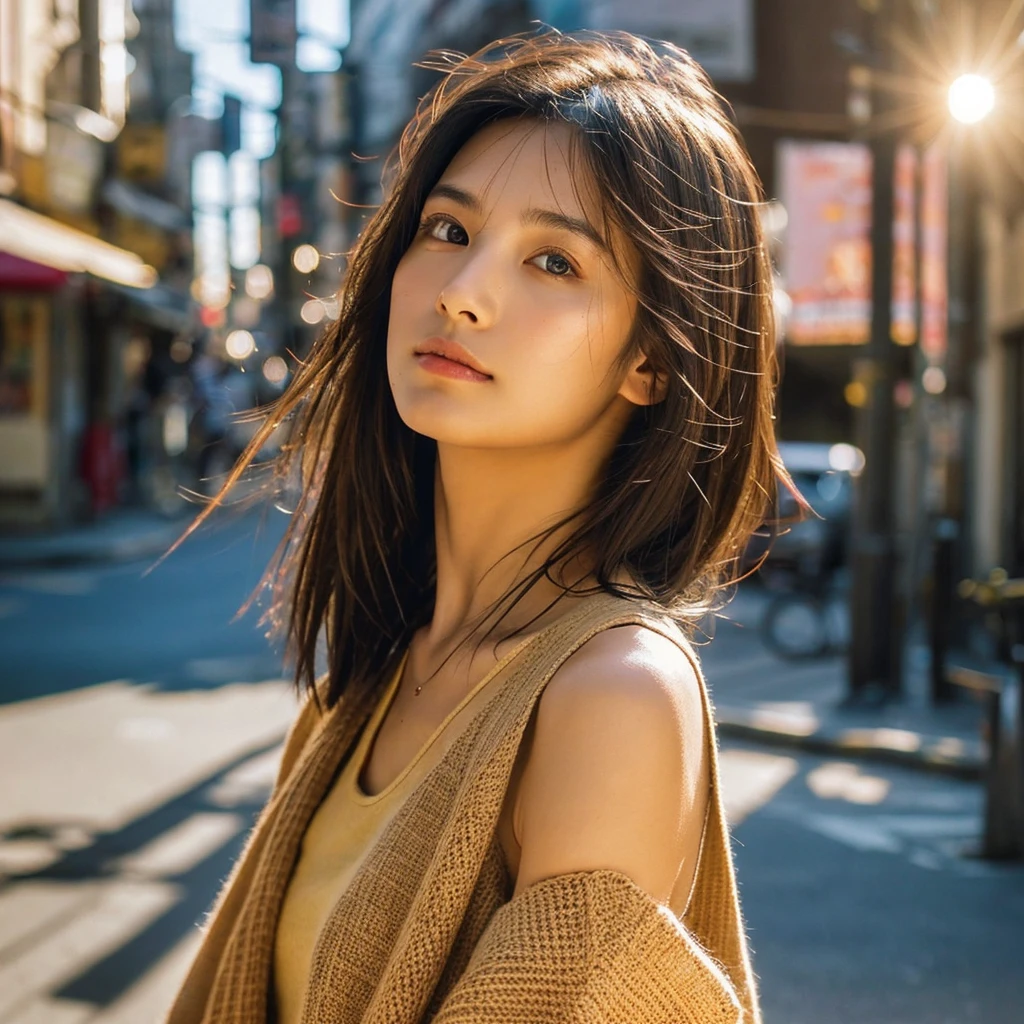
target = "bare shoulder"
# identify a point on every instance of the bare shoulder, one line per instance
(617, 764)
(629, 684)
(631, 663)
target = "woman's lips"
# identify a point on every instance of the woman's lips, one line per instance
(448, 368)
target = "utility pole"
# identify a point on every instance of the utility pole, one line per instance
(950, 561)
(876, 619)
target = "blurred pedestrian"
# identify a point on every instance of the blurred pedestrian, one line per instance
(214, 408)
(137, 409)
(568, 420)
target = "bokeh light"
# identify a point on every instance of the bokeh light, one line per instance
(175, 429)
(313, 311)
(846, 458)
(275, 369)
(181, 350)
(259, 281)
(305, 259)
(856, 394)
(933, 380)
(240, 344)
(211, 291)
(903, 394)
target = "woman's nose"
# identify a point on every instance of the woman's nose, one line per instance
(472, 295)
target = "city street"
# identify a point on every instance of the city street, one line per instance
(139, 732)
(221, 220)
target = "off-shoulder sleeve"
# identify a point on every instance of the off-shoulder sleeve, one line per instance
(589, 947)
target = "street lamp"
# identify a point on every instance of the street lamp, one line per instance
(971, 98)
(876, 648)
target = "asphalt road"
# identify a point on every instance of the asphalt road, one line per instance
(170, 625)
(125, 794)
(864, 902)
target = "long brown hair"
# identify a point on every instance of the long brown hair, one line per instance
(692, 476)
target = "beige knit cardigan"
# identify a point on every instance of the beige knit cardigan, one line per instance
(428, 931)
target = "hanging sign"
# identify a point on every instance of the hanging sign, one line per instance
(825, 188)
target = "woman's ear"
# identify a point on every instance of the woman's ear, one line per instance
(643, 384)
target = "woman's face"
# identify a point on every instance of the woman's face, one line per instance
(509, 264)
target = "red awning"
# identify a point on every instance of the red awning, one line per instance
(24, 275)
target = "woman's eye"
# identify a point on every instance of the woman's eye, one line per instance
(445, 230)
(556, 264)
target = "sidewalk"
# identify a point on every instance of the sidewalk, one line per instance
(764, 699)
(122, 535)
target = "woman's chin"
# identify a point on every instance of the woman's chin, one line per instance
(445, 426)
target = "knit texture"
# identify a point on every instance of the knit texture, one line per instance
(571, 948)
(427, 930)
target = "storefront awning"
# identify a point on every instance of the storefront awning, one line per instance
(31, 236)
(27, 275)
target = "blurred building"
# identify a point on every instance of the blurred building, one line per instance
(797, 73)
(147, 199)
(306, 187)
(985, 421)
(999, 525)
(63, 98)
(86, 228)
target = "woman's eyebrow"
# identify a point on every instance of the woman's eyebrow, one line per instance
(563, 222)
(456, 195)
(534, 215)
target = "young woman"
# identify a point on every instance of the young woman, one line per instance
(531, 449)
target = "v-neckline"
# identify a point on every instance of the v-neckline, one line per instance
(373, 727)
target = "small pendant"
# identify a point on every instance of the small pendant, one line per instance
(417, 693)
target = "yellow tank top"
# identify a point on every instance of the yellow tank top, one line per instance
(343, 831)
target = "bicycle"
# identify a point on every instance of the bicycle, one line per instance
(808, 618)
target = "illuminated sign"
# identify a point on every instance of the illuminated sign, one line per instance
(826, 261)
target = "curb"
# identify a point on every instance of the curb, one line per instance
(945, 755)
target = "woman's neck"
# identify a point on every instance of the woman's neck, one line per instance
(488, 503)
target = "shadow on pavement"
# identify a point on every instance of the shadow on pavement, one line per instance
(109, 855)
